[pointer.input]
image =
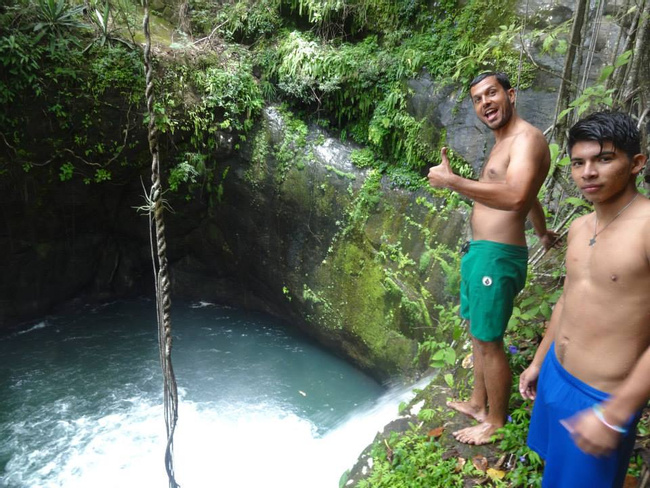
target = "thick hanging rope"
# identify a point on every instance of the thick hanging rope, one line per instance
(159, 260)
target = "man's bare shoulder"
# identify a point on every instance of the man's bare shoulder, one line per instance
(579, 221)
(529, 139)
(527, 130)
(640, 216)
(578, 225)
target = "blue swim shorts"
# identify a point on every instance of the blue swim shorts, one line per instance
(561, 395)
(492, 273)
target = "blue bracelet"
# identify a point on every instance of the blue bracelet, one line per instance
(598, 412)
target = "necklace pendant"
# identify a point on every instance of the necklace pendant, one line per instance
(592, 241)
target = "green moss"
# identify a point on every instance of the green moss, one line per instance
(368, 198)
(359, 285)
(325, 196)
(291, 151)
(426, 317)
(342, 174)
(425, 260)
(411, 310)
(257, 172)
(392, 288)
(311, 296)
(295, 188)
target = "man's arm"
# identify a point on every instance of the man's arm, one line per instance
(522, 177)
(591, 433)
(528, 378)
(536, 216)
(631, 395)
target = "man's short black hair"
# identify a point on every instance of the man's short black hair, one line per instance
(502, 78)
(615, 127)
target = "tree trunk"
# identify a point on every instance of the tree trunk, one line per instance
(633, 82)
(620, 73)
(564, 92)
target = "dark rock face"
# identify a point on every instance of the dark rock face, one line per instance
(61, 241)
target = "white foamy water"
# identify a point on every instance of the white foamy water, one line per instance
(214, 446)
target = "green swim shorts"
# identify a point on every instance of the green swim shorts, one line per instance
(492, 273)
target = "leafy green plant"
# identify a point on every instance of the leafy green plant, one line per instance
(105, 30)
(72, 87)
(415, 460)
(230, 100)
(392, 130)
(553, 39)
(367, 198)
(182, 173)
(442, 354)
(250, 19)
(525, 465)
(20, 59)
(597, 96)
(498, 53)
(363, 158)
(334, 18)
(65, 172)
(57, 17)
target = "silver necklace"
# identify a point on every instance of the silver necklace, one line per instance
(592, 241)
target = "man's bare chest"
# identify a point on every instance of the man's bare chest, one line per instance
(604, 266)
(495, 169)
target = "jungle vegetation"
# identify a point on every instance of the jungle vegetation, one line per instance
(343, 63)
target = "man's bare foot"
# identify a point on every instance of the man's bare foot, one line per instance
(477, 435)
(468, 409)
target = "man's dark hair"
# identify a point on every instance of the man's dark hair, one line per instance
(615, 127)
(502, 78)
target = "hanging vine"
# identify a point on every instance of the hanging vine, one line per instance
(160, 265)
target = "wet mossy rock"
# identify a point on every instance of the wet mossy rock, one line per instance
(333, 248)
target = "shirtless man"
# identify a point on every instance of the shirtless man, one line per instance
(494, 269)
(591, 374)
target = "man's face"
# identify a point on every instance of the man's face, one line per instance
(492, 103)
(602, 173)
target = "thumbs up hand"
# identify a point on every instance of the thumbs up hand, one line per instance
(439, 175)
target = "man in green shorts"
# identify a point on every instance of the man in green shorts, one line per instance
(493, 269)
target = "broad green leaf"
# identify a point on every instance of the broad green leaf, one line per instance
(623, 59)
(605, 73)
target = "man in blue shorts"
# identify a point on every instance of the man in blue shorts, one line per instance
(590, 375)
(493, 270)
